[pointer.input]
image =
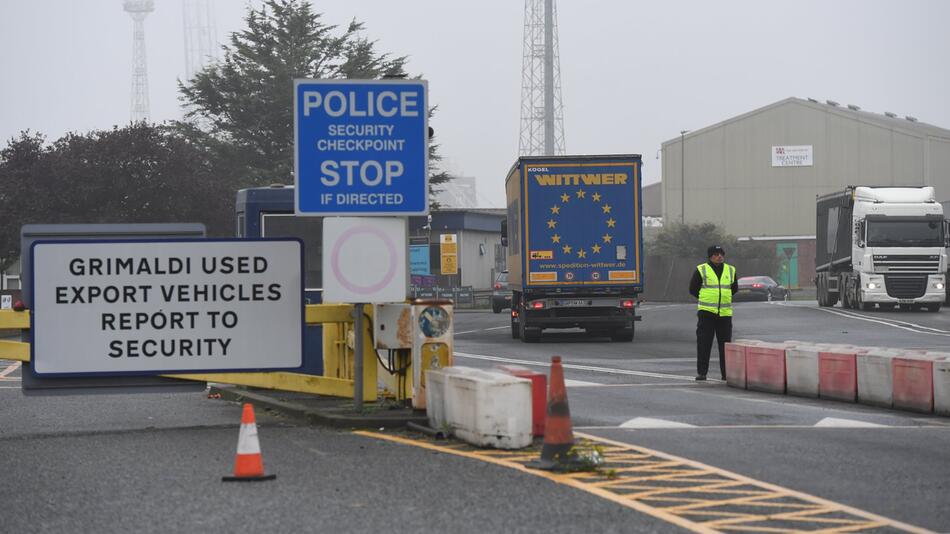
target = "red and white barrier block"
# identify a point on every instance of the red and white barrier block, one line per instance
(765, 367)
(838, 374)
(914, 382)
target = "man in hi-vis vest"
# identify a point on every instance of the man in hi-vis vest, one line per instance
(713, 285)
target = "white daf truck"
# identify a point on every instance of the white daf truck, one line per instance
(881, 246)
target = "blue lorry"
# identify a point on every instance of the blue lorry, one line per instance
(574, 238)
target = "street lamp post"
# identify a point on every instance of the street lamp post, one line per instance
(683, 175)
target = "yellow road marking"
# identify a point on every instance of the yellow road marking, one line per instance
(554, 477)
(689, 494)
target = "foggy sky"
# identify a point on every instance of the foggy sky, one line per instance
(634, 73)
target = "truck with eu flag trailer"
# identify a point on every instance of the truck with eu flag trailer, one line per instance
(574, 238)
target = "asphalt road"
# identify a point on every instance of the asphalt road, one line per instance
(153, 463)
(643, 393)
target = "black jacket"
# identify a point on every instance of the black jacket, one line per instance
(696, 282)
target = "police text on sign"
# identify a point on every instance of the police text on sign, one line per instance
(166, 306)
(361, 147)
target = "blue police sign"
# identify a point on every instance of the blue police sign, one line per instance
(361, 147)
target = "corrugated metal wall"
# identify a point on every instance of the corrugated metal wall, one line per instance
(477, 263)
(730, 179)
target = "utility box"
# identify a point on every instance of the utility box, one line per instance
(425, 328)
(432, 345)
(392, 328)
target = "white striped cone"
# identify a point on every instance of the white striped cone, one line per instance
(248, 463)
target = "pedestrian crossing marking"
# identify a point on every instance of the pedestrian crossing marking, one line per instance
(649, 422)
(834, 422)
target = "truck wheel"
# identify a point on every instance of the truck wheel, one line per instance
(821, 292)
(622, 334)
(831, 299)
(864, 306)
(933, 308)
(886, 307)
(531, 334)
(515, 329)
(495, 308)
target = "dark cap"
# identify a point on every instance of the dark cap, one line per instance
(713, 250)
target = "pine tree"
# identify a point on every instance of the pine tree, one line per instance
(244, 103)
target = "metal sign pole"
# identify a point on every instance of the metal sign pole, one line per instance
(358, 358)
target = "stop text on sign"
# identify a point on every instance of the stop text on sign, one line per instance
(361, 147)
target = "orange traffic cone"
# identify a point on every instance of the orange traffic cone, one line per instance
(248, 464)
(557, 452)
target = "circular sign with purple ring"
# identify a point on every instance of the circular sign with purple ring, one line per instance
(390, 261)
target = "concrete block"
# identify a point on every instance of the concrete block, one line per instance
(735, 363)
(913, 382)
(875, 377)
(765, 367)
(438, 403)
(489, 409)
(837, 374)
(539, 394)
(942, 385)
(801, 370)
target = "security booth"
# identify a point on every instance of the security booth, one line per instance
(269, 212)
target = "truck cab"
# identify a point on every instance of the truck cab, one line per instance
(896, 242)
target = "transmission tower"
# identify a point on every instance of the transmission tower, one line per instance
(542, 116)
(138, 10)
(201, 38)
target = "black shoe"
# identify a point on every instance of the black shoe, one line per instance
(700, 378)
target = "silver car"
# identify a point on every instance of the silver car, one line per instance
(501, 295)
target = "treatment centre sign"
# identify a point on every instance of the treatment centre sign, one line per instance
(361, 147)
(146, 307)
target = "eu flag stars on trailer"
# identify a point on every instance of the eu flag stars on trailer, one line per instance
(361, 147)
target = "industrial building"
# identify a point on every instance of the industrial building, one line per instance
(757, 174)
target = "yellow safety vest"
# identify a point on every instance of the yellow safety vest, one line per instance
(715, 295)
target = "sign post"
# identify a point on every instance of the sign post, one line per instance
(361, 149)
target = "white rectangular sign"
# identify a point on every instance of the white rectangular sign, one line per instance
(365, 259)
(149, 307)
(792, 156)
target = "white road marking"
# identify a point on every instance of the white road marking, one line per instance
(652, 307)
(579, 383)
(893, 323)
(833, 422)
(576, 367)
(649, 422)
(482, 330)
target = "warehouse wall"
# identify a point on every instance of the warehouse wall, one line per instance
(730, 179)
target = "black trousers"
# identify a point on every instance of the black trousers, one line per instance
(710, 325)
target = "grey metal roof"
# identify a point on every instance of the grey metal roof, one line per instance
(891, 123)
